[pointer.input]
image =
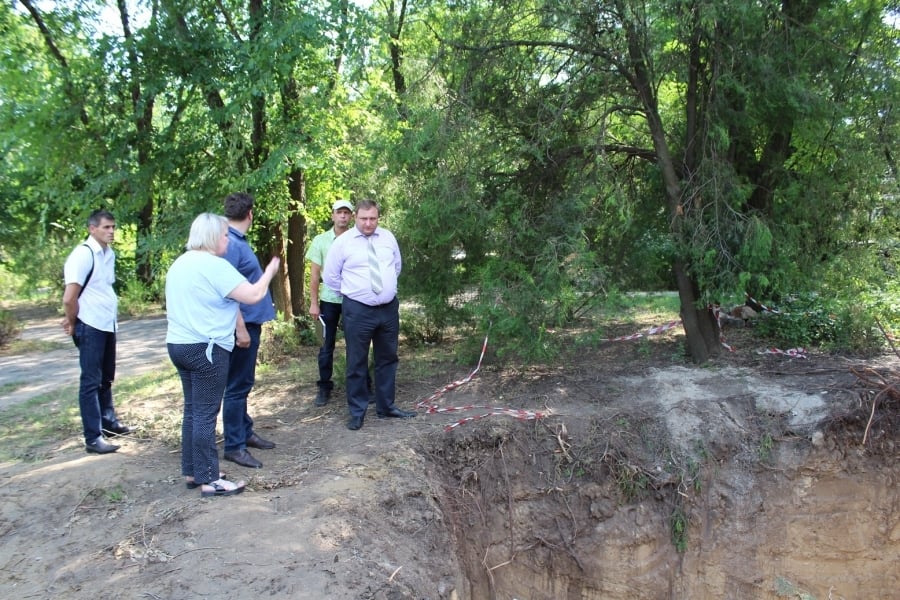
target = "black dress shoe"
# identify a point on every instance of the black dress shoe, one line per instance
(396, 413)
(354, 423)
(323, 397)
(254, 441)
(100, 446)
(117, 429)
(243, 458)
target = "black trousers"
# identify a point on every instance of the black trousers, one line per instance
(380, 327)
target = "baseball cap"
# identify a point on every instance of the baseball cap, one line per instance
(341, 204)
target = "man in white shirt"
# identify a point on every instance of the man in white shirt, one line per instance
(91, 307)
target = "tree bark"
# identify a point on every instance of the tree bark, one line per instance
(296, 247)
(396, 50)
(275, 246)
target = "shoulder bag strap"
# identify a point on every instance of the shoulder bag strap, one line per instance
(91, 272)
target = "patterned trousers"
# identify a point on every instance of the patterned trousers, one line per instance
(203, 383)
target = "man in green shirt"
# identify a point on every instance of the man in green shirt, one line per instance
(325, 303)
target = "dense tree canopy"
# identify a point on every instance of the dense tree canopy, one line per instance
(533, 156)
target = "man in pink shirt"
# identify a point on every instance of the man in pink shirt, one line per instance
(363, 265)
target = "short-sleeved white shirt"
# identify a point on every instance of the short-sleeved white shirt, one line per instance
(198, 309)
(98, 305)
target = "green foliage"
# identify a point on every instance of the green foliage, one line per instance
(8, 283)
(115, 495)
(766, 444)
(136, 297)
(282, 338)
(419, 330)
(632, 481)
(678, 526)
(520, 178)
(826, 322)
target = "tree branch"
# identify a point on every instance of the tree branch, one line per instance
(45, 32)
(54, 50)
(229, 22)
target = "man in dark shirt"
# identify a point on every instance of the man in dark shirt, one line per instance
(236, 422)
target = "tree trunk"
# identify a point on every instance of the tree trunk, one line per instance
(274, 245)
(697, 323)
(142, 105)
(296, 247)
(396, 51)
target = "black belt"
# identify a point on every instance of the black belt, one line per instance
(388, 303)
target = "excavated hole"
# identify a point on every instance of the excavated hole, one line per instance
(610, 507)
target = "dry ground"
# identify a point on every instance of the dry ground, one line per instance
(646, 478)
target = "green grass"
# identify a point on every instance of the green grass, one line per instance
(12, 386)
(17, 347)
(766, 444)
(32, 430)
(28, 428)
(645, 305)
(678, 527)
(115, 495)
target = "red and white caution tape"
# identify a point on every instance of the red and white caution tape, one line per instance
(652, 331)
(792, 352)
(523, 415)
(455, 384)
(718, 313)
(762, 306)
(428, 404)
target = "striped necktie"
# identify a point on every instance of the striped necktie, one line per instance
(374, 268)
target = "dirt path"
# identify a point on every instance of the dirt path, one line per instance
(140, 349)
(493, 508)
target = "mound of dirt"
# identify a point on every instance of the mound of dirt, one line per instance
(643, 478)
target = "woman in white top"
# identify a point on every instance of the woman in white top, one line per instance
(203, 292)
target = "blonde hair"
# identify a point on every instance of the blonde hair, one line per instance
(206, 230)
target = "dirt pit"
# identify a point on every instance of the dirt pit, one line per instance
(607, 504)
(644, 478)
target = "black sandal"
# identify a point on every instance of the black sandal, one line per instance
(221, 490)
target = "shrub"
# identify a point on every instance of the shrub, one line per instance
(830, 323)
(9, 328)
(282, 338)
(136, 298)
(419, 330)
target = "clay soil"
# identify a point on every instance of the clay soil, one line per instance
(628, 473)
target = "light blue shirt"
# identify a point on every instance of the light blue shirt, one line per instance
(197, 305)
(347, 266)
